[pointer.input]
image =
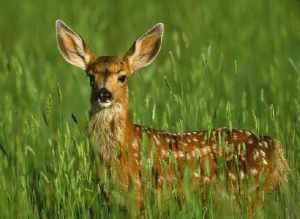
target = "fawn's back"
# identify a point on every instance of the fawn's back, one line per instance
(242, 153)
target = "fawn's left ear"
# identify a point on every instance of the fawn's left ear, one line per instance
(145, 49)
(72, 47)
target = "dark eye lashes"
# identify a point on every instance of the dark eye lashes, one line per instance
(122, 78)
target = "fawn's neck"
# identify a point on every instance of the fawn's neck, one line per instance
(109, 127)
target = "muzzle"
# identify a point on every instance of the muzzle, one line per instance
(104, 97)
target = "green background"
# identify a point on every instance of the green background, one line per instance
(228, 63)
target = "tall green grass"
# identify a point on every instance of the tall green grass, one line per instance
(223, 63)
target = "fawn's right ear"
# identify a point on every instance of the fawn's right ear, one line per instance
(72, 47)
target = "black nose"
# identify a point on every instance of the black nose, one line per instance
(103, 95)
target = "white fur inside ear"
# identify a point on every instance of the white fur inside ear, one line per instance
(146, 48)
(71, 46)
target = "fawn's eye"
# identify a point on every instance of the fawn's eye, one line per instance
(122, 78)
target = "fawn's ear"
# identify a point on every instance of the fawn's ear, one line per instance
(145, 49)
(72, 47)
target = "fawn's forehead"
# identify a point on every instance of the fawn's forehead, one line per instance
(108, 65)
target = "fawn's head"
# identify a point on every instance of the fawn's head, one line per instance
(108, 74)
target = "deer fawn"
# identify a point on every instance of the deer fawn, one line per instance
(245, 154)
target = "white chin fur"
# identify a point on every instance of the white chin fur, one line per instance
(105, 105)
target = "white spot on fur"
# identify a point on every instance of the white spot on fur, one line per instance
(196, 153)
(253, 171)
(266, 145)
(135, 144)
(206, 179)
(160, 179)
(138, 182)
(248, 133)
(264, 162)
(175, 155)
(183, 143)
(157, 142)
(242, 174)
(197, 173)
(180, 154)
(262, 153)
(232, 176)
(164, 153)
(205, 150)
(239, 149)
(235, 137)
(188, 157)
(214, 147)
(250, 141)
(255, 154)
(195, 139)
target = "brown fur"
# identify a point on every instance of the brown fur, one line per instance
(118, 139)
